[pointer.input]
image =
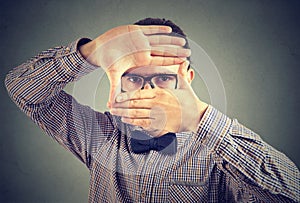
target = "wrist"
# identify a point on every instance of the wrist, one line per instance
(87, 51)
(201, 109)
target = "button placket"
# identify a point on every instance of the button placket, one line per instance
(143, 194)
(149, 166)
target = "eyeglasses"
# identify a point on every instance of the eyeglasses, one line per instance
(132, 82)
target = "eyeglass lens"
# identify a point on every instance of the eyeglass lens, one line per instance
(131, 82)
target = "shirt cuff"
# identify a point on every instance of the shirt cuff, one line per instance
(213, 127)
(73, 63)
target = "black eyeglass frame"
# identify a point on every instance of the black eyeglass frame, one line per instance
(149, 78)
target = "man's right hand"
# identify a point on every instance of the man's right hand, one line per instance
(130, 46)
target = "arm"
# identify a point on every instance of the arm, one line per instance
(36, 87)
(260, 171)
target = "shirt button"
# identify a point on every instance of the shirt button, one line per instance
(143, 194)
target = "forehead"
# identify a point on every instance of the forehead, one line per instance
(150, 70)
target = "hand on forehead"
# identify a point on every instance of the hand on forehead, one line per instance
(127, 47)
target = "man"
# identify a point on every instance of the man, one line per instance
(160, 142)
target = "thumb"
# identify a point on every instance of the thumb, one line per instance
(115, 87)
(182, 75)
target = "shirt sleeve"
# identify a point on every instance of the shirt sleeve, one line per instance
(36, 86)
(257, 170)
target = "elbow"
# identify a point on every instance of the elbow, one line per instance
(12, 85)
(7, 82)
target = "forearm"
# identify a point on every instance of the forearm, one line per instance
(262, 171)
(36, 87)
(44, 76)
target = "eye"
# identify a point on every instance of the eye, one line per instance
(134, 79)
(164, 78)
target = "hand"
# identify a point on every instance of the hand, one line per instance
(160, 111)
(125, 47)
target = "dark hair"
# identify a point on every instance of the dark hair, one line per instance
(176, 30)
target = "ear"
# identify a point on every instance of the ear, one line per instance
(190, 75)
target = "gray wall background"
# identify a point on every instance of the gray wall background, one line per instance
(254, 44)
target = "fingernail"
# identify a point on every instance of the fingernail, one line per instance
(189, 52)
(121, 97)
(186, 63)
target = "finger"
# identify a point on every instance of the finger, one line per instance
(115, 86)
(166, 61)
(134, 104)
(170, 51)
(144, 123)
(136, 95)
(182, 75)
(182, 70)
(131, 113)
(165, 39)
(111, 98)
(155, 29)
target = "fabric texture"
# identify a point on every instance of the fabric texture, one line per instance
(222, 162)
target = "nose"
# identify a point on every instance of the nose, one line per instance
(147, 86)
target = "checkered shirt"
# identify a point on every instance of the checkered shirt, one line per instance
(222, 162)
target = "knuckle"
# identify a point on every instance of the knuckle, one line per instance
(146, 123)
(160, 93)
(147, 60)
(133, 113)
(132, 103)
(124, 113)
(143, 122)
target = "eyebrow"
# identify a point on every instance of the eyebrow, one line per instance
(155, 74)
(146, 75)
